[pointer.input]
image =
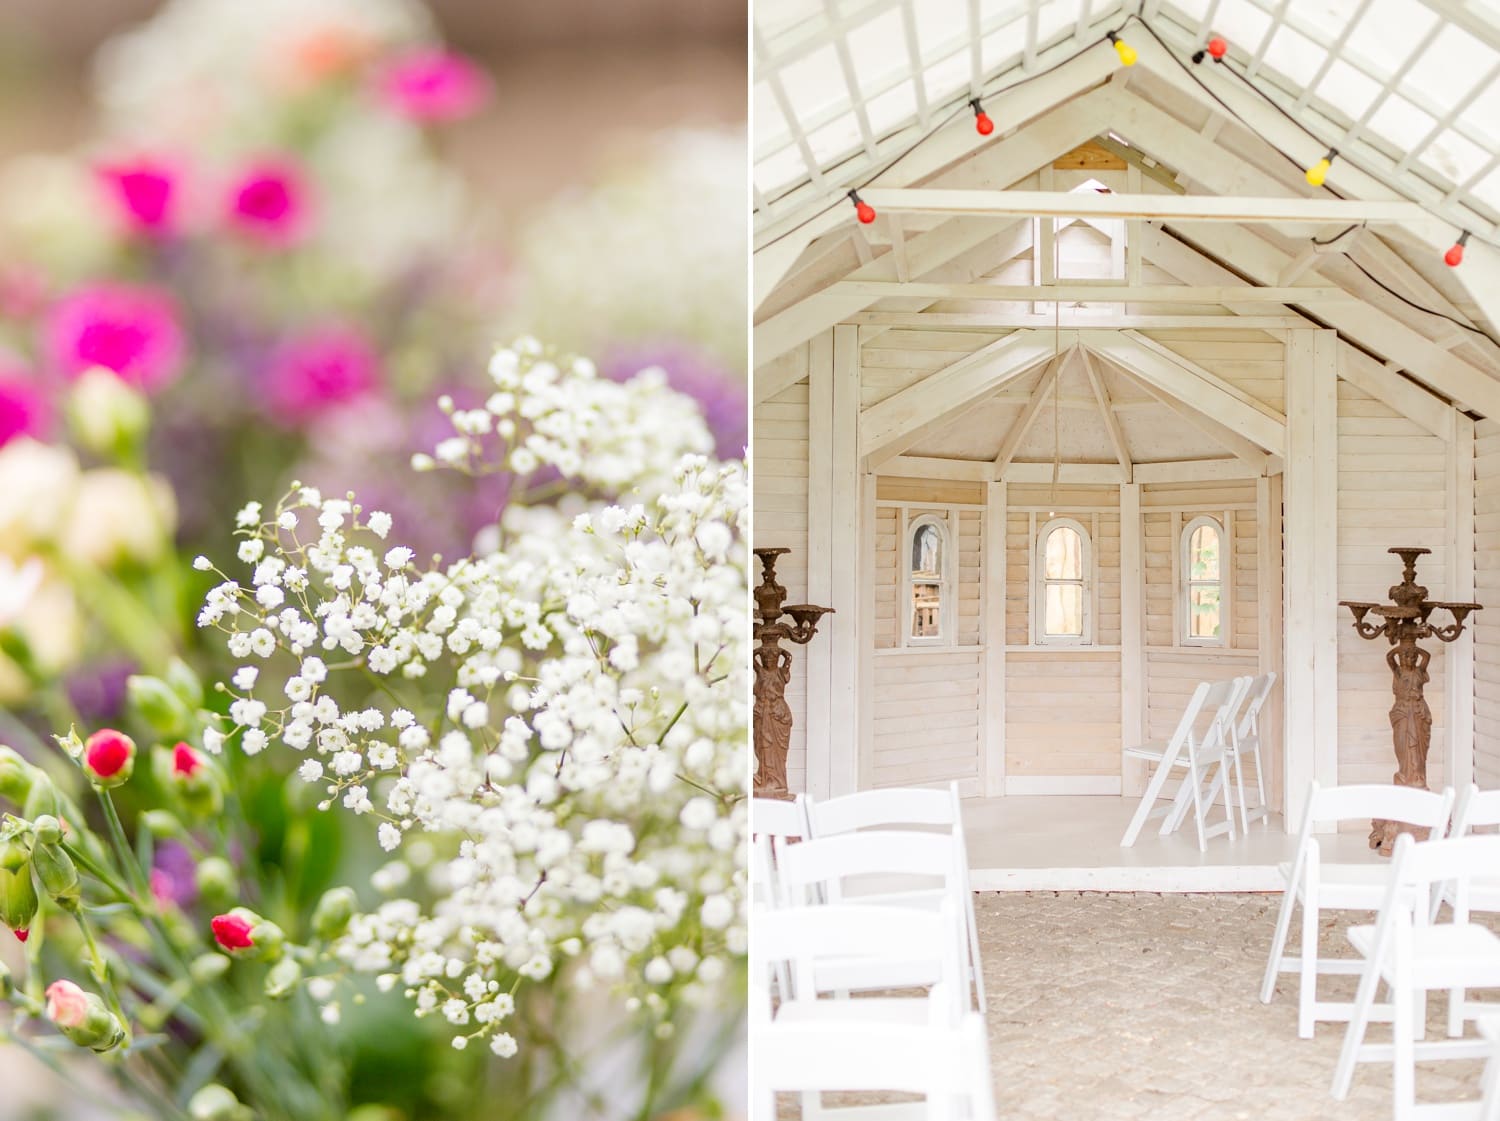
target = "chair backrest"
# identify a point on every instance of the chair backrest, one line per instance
(1223, 700)
(941, 1062)
(763, 891)
(873, 809)
(1452, 859)
(826, 862)
(803, 936)
(1183, 733)
(1476, 808)
(1410, 805)
(1255, 699)
(774, 817)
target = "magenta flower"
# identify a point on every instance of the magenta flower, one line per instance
(143, 194)
(128, 329)
(269, 202)
(431, 84)
(24, 411)
(322, 368)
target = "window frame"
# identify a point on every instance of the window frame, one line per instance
(1039, 584)
(1186, 583)
(947, 634)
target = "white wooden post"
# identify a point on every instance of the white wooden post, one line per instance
(1132, 637)
(1311, 747)
(1268, 634)
(820, 535)
(993, 592)
(866, 741)
(846, 633)
(1460, 654)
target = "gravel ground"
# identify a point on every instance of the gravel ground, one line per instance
(1146, 1006)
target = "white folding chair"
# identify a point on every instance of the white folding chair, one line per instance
(925, 807)
(1489, 1107)
(1245, 740)
(779, 820)
(1476, 809)
(883, 864)
(1413, 955)
(809, 941)
(1322, 887)
(951, 1066)
(1199, 755)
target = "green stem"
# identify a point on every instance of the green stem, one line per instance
(100, 970)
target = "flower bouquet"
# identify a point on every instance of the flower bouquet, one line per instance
(540, 746)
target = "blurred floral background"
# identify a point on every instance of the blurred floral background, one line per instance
(245, 242)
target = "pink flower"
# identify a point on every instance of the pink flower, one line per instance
(143, 193)
(24, 411)
(130, 330)
(232, 931)
(67, 1004)
(269, 202)
(185, 761)
(323, 367)
(430, 84)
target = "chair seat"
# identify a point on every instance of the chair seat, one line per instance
(1444, 956)
(1484, 895)
(1354, 887)
(872, 1010)
(1157, 751)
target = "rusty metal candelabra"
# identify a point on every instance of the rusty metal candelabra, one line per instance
(797, 623)
(1405, 620)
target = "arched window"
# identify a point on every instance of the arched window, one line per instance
(1064, 572)
(1205, 565)
(928, 581)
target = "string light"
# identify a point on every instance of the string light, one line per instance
(1318, 173)
(1123, 49)
(1455, 255)
(862, 210)
(1217, 48)
(982, 123)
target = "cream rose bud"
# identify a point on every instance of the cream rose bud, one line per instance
(67, 1004)
(37, 482)
(117, 516)
(107, 416)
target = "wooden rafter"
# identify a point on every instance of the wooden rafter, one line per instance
(1111, 421)
(1022, 424)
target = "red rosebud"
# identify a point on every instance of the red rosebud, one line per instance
(21, 935)
(232, 932)
(185, 761)
(109, 756)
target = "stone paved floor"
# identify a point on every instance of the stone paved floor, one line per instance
(1123, 1006)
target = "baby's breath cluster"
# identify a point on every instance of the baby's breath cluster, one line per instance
(550, 736)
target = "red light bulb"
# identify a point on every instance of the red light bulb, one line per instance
(982, 123)
(1455, 255)
(1218, 48)
(862, 210)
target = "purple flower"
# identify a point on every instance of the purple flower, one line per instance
(174, 875)
(97, 692)
(717, 390)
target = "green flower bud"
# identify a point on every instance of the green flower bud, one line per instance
(15, 776)
(58, 874)
(15, 852)
(7, 982)
(283, 978)
(185, 683)
(162, 823)
(216, 880)
(18, 901)
(218, 1103)
(83, 1017)
(158, 704)
(42, 799)
(269, 940)
(107, 416)
(48, 829)
(208, 968)
(190, 777)
(334, 910)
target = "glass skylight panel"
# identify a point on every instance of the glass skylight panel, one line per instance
(814, 84)
(835, 140)
(1348, 90)
(893, 109)
(779, 171)
(1450, 66)
(1399, 122)
(1003, 47)
(1488, 189)
(1482, 118)
(947, 77)
(941, 26)
(878, 47)
(1327, 19)
(771, 132)
(1454, 158)
(1389, 32)
(1295, 55)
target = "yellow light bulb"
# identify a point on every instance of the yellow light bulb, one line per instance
(1319, 172)
(1126, 52)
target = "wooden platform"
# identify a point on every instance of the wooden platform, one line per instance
(1072, 843)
